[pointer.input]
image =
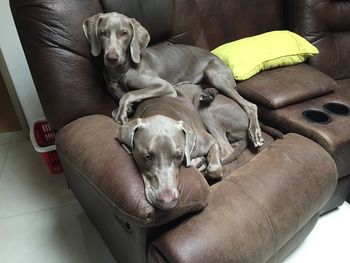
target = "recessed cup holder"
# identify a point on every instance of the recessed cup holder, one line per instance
(337, 108)
(316, 116)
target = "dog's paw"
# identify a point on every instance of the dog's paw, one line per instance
(131, 110)
(120, 117)
(214, 171)
(207, 96)
(256, 137)
(200, 163)
(115, 114)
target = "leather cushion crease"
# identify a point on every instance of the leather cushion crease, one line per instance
(325, 24)
(280, 87)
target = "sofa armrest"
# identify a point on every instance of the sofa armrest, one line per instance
(89, 145)
(280, 87)
(253, 213)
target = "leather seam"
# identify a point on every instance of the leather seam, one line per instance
(261, 96)
(261, 208)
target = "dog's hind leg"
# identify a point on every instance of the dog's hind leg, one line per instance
(218, 75)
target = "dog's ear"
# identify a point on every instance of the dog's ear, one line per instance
(140, 40)
(90, 27)
(190, 140)
(126, 133)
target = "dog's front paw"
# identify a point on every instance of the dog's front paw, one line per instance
(200, 163)
(119, 116)
(214, 171)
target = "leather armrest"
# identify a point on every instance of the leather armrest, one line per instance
(280, 87)
(253, 212)
(89, 145)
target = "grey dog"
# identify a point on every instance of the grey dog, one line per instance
(135, 72)
(168, 131)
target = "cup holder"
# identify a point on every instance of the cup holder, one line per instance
(317, 116)
(337, 108)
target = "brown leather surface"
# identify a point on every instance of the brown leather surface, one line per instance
(58, 54)
(339, 196)
(294, 242)
(280, 87)
(253, 213)
(224, 21)
(334, 137)
(326, 24)
(89, 145)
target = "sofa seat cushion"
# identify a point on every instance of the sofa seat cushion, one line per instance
(253, 212)
(89, 146)
(285, 86)
(334, 136)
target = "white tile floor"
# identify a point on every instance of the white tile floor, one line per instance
(41, 221)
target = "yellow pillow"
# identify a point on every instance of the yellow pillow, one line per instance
(248, 56)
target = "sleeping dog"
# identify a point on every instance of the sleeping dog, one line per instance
(168, 131)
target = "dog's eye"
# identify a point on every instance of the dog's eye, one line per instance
(103, 33)
(147, 157)
(178, 156)
(124, 33)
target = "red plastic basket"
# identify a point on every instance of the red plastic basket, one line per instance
(52, 161)
(44, 138)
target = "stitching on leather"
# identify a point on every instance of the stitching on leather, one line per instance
(260, 95)
(260, 207)
(337, 56)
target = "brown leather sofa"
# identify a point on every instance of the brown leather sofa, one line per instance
(324, 117)
(270, 198)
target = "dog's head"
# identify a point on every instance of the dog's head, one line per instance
(119, 37)
(159, 146)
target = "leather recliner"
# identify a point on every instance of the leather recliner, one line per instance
(270, 198)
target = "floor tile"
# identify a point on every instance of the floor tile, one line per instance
(55, 235)
(3, 152)
(328, 241)
(26, 185)
(18, 136)
(5, 137)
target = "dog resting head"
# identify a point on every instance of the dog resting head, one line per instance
(159, 145)
(118, 36)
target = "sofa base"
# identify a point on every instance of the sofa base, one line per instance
(339, 196)
(125, 241)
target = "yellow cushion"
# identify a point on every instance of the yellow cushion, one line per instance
(248, 56)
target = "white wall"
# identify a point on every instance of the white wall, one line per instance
(17, 67)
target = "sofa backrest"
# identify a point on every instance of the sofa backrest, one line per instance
(69, 80)
(326, 24)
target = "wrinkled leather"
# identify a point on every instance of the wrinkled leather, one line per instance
(245, 223)
(89, 144)
(280, 87)
(326, 24)
(334, 137)
(224, 21)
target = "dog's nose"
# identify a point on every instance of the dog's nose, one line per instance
(168, 199)
(112, 57)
